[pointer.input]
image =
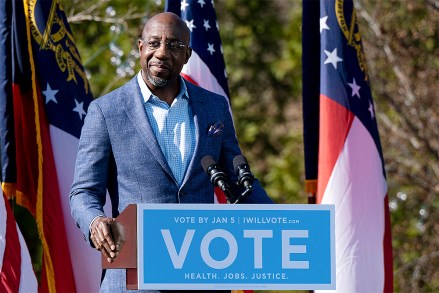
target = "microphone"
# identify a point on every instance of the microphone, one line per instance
(242, 169)
(217, 177)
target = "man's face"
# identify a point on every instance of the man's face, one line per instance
(163, 51)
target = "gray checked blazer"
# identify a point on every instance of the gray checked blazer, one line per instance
(118, 153)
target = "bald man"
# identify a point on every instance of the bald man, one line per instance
(143, 142)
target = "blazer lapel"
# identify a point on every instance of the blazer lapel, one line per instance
(199, 113)
(136, 113)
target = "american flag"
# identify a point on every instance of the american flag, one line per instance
(206, 67)
(349, 168)
(44, 99)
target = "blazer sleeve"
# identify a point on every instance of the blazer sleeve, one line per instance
(88, 192)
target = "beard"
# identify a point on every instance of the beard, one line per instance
(157, 81)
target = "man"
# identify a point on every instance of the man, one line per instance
(144, 142)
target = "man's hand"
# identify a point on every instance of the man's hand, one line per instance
(102, 239)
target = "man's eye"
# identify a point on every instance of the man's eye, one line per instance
(154, 44)
(174, 45)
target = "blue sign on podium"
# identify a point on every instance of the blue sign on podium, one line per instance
(258, 246)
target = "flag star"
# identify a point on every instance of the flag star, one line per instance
(217, 26)
(190, 24)
(221, 49)
(323, 25)
(371, 110)
(206, 24)
(210, 48)
(225, 73)
(50, 94)
(201, 2)
(213, 4)
(183, 5)
(355, 88)
(332, 58)
(79, 108)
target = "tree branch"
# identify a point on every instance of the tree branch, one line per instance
(90, 14)
(433, 4)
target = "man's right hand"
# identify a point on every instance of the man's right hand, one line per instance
(101, 237)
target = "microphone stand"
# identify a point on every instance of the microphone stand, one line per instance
(248, 190)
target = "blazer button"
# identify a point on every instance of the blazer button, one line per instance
(181, 193)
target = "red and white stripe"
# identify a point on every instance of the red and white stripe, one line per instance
(197, 72)
(86, 262)
(351, 177)
(16, 272)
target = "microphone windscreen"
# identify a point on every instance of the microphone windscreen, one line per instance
(206, 162)
(238, 161)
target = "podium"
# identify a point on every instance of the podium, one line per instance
(124, 230)
(225, 247)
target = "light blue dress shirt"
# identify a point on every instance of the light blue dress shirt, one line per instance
(173, 127)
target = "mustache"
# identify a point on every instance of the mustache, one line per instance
(159, 64)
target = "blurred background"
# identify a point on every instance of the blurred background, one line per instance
(262, 50)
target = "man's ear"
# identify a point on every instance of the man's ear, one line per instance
(188, 54)
(140, 45)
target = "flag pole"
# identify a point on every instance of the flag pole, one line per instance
(311, 93)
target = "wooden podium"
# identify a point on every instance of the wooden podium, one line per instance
(124, 230)
(213, 259)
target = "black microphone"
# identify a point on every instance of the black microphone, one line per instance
(242, 169)
(217, 177)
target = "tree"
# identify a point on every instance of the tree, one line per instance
(401, 45)
(262, 49)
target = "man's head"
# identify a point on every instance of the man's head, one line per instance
(164, 49)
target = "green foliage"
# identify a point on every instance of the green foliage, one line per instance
(106, 38)
(401, 42)
(263, 61)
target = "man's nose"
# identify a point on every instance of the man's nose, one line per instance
(162, 50)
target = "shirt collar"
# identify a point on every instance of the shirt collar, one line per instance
(146, 93)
